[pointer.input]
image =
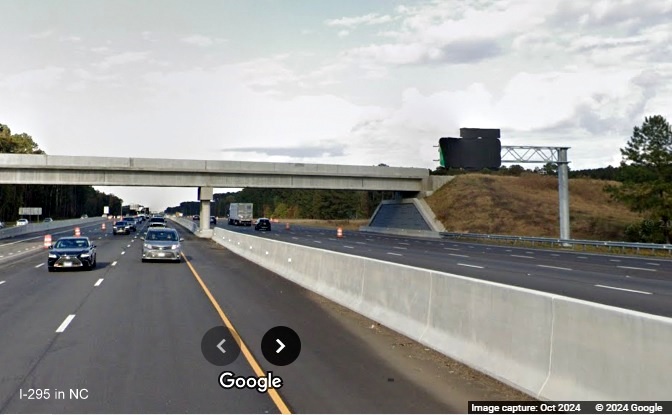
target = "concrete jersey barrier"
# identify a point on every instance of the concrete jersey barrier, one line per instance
(549, 346)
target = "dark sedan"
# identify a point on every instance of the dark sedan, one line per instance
(131, 223)
(121, 227)
(72, 252)
(263, 224)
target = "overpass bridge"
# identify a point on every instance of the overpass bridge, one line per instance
(208, 174)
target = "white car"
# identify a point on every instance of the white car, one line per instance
(22, 222)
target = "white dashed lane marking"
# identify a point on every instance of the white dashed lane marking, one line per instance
(65, 323)
(624, 289)
(469, 265)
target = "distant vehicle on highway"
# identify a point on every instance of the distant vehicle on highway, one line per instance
(241, 214)
(121, 227)
(263, 224)
(131, 223)
(84, 216)
(47, 220)
(197, 217)
(72, 252)
(162, 244)
(156, 220)
(2, 224)
(22, 222)
(213, 220)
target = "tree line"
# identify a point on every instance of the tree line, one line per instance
(294, 203)
(644, 184)
(56, 201)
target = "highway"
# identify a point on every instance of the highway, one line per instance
(637, 283)
(126, 337)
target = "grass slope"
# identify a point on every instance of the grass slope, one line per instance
(528, 206)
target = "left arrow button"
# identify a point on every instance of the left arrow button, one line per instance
(219, 347)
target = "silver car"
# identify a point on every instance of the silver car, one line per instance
(162, 244)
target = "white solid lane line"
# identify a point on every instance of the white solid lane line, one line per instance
(39, 265)
(460, 255)
(615, 260)
(522, 256)
(2, 282)
(399, 247)
(652, 263)
(65, 323)
(394, 253)
(624, 289)
(349, 247)
(552, 267)
(114, 263)
(451, 249)
(641, 269)
(469, 265)
(100, 281)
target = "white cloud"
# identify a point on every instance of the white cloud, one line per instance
(351, 22)
(41, 35)
(70, 38)
(149, 36)
(122, 59)
(33, 80)
(343, 33)
(201, 41)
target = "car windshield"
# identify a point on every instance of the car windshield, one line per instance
(72, 243)
(162, 236)
(120, 224)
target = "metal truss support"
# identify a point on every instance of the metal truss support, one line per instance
(558, 155)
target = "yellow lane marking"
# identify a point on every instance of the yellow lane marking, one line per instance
(275, 396)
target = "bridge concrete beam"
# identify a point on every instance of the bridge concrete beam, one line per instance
(106, 171)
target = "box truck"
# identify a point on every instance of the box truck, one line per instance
(240, 214)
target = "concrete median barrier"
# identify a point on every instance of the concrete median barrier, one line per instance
(602, 353)
(500, 330)
(549, 346)
(44, 227)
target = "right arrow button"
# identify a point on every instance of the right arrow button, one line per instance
(289, 342)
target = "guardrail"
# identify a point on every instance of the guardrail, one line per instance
(563, 242)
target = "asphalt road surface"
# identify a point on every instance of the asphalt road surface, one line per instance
(126, 337)
(637, 283)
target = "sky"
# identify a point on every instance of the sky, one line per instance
(338, 82)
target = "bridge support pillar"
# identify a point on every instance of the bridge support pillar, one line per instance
(205, 195)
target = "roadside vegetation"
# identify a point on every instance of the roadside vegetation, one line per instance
(527, 205)
(56, 201)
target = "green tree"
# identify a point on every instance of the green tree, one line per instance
(646, 172)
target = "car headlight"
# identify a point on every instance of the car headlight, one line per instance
(148, 246)
(175, 246)
(53, 256)
(85, 255)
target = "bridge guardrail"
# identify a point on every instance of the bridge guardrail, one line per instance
(564, 242)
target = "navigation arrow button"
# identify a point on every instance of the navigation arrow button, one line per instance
(212, 346)
(289, 342)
